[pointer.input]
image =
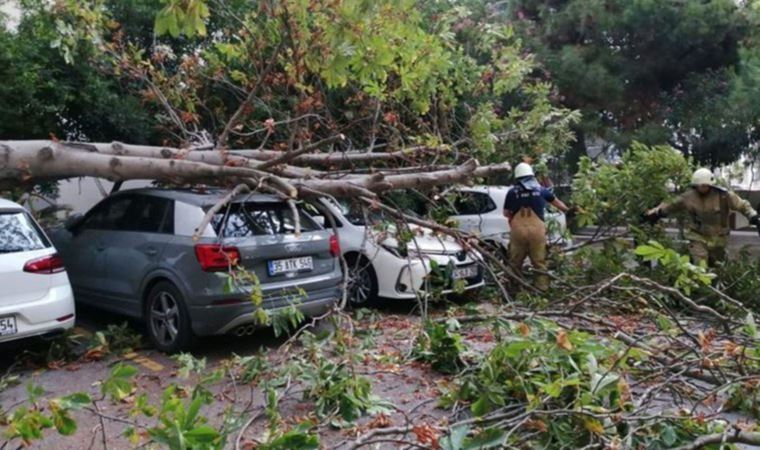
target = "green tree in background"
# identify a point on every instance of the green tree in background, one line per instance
(657, 71)
(386, 74)
(41, 95)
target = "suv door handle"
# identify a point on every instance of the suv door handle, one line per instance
(100, 247)
(151, 251)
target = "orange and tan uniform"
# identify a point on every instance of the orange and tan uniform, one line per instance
(708, 220)
(525, 209)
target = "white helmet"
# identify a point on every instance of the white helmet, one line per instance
(702, 176)
(523, 170)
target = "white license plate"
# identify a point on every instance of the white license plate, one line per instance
(291, 265)
(8, 326)
(465, 272)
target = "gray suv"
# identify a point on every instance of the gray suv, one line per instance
(134, 253)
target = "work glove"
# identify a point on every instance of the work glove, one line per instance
(755, 220)
(652, 217)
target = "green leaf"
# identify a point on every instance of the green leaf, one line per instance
(202, 434)
(455, 439)
(668, 435)
(77, 400)
(64, 423)
(298, 438)
(123, 371)
(118, 384)
(750, 327)
(489, 438)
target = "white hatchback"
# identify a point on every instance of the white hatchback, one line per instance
(36, 297)
(480, 210)
(379, 268)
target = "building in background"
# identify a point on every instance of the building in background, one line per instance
(81, 194)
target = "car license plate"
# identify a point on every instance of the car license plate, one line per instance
(465, 272)
(8, 326)
(291, 265)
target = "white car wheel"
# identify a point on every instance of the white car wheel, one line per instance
(362, 281)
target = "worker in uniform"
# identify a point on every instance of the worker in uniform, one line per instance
(524, 207)
(708, 208)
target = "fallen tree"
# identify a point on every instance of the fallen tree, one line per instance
(32, 162)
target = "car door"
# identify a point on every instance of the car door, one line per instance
(135, 245)
(84, 254)
(493, 224)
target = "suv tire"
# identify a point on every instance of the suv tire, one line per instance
(167, 319)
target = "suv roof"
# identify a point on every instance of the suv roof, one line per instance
(200, 198)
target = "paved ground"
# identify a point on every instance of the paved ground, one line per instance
(156, 368)
(219, 347)
(411, 389)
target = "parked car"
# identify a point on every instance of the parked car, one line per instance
(134, 253)
(480, 210)
(36, 297)
(380, 268)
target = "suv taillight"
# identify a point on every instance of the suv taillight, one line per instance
(215, 258)
(334, 246)
(46, 265)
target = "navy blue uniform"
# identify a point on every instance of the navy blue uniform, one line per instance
(518, 197)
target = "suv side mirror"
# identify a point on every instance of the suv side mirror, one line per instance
(72, 222)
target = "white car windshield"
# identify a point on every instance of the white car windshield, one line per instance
(19, 233)
(354, 213)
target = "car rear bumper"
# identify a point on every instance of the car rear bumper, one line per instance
(50, 314)
(221, 319)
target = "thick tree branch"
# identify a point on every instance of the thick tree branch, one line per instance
(36, 161)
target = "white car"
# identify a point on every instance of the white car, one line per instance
(36, 297)
(480, 210)
(381, 268)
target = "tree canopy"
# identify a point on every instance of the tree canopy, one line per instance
(653, 71)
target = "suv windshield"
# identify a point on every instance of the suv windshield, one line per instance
(259, 219)
(19, 233)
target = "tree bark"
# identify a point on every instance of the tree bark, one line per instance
(29, 162)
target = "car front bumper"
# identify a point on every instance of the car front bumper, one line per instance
(415, 278)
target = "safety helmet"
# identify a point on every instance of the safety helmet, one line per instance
(702, 176)
(523, 170)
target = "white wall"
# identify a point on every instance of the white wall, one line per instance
(83, 193)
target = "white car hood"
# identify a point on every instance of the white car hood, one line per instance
(425, 240)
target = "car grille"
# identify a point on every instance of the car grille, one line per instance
(438, 283)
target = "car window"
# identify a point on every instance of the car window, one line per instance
(259, 219)
(19, 233)
(467, 203)
(109, 214)
(148, 214)
(315, 212)
(354, 213)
